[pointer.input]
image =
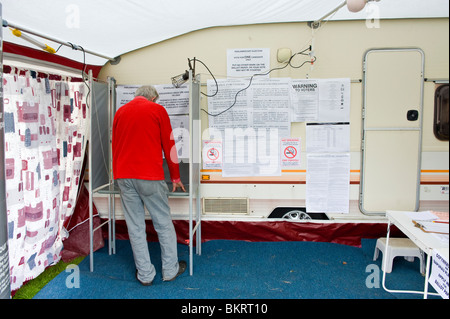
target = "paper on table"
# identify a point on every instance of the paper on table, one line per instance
(435, 227)
(442, 237)
(441, 215)
(420, 216)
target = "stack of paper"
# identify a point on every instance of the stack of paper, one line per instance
(435, 226)
(431, 222)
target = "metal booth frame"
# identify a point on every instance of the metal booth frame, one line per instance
(111, 190)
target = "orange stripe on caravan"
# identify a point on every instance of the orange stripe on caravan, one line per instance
(351, 171)
(434, 171)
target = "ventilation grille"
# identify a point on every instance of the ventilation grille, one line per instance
(228, 206)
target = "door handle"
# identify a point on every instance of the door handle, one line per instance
(412, 115)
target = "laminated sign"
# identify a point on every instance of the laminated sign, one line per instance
(212, 154)
(247, 62)
(439, 274)
(290, 152)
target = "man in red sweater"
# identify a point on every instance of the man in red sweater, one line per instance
(141, 132)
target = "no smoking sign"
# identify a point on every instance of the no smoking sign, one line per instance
(290, 152)
(212, 154)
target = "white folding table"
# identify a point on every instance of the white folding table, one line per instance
(427, 242)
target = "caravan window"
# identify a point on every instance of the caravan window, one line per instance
(441, 125)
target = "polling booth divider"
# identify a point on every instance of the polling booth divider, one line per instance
(101, 180)
(102, 106)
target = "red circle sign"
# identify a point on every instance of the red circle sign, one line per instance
(290, 152)
(212, 154)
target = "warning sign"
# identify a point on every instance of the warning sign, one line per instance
(212, 154)
(290, 152)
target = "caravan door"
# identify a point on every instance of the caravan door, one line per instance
(392, 130)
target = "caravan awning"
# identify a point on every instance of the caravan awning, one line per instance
(115, 27)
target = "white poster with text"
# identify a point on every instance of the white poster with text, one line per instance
(247, 62)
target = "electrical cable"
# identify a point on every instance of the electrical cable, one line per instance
(289, 63)
(58, 48)
(83, 75)
(217, 86)
(83, 70)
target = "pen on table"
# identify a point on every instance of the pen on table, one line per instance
(440, 221)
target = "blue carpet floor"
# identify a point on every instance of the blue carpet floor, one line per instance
(243, 270)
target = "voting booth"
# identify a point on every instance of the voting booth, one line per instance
(106, 98)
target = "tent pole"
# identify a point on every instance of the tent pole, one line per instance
(5, 288)
(111, 112)
(91, 208)
(67, 44)
(316, 24)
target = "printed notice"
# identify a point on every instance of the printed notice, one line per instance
(439, 273)
(234, 111)
(334, 100)
(265, 104)
(180, 132)
(327, 137)
(290, 152)
(270, 100)
(247, 62)
(174, 100)
(124, 94)
(251, 123)
(328, 182)
(321, 100)
(251, 153)
(305, 104)
(4, 269)
(212, 154)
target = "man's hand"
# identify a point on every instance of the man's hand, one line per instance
(178, 185)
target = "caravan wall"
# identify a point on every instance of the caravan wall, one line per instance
(339, 47)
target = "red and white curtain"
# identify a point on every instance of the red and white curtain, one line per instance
(46, 129)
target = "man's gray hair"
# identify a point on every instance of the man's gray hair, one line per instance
(147, 91)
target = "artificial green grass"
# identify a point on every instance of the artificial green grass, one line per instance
(32, 287)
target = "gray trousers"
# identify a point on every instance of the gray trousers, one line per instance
(136, 193)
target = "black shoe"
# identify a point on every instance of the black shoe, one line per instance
(142, 282)
(181, 269)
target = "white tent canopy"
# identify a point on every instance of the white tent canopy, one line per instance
(114, 27)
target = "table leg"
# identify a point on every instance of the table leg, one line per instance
(427, 273)
(385, 259)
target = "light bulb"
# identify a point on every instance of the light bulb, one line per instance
(356, 5)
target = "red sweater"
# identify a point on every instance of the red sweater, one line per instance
(141, 132)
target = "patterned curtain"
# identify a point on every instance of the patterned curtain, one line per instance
(46, 126)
